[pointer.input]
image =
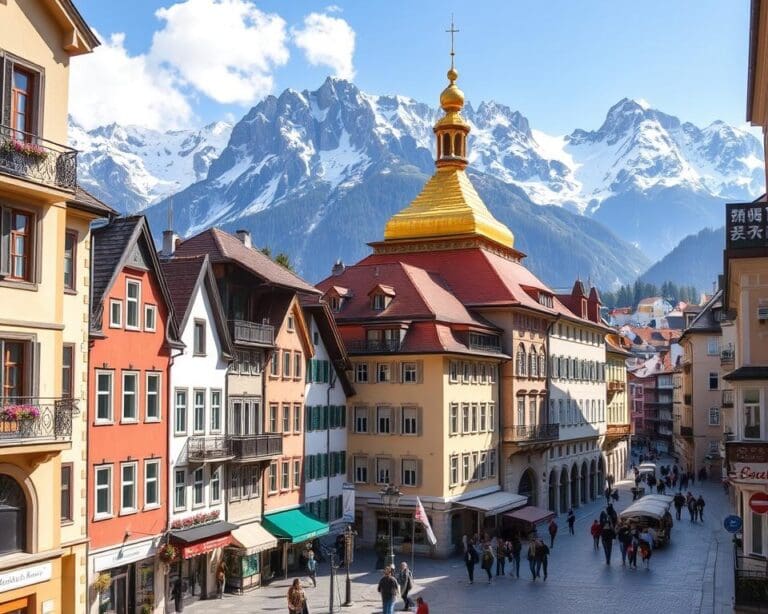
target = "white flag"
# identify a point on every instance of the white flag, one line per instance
(421, 516)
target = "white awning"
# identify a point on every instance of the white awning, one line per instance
(253, 538)
(496, 502)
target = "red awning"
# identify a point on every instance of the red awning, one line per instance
(532, 514)
(205, 545)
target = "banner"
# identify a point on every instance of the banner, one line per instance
(421, 516)
(348, 502)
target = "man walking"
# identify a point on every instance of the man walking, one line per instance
(541, 557)
(516, 547)
(571, 521)
(312, 568)
(532, 546)
(502, 550)
(405, 578)
(625, 539)
(679, 501)
(470, 560)
(700, 507)
(389, 590)
(608, 535)
(552, 532)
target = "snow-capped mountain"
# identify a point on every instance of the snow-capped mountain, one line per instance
(300, 167)
(134, 167)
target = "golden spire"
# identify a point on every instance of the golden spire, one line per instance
(452, 98)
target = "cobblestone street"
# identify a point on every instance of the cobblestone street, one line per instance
(692, 574)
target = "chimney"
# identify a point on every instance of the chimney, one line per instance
(244, 236)
(338, 268)
(170, 241)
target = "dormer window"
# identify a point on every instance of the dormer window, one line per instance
(381, 296)
(378, 302)
(335, 303)
(545, 300)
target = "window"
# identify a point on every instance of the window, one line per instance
(66, 493)
(465, 417)
(713, 380)
(150, 318)
(473, 415)
(67, 370)
(132, 300)
(361, 419)
(180, 413)
(297, 418)
(465, 468)
(216, 485)
(465, 372)
(713, 346)
(198, 338)
(127, 488)
(491, 417)
(273, 409)
(483, 417)
(198, 411)
(378, 302)
(454, 470)
(17, 241)
(756, 543)
(521, 361)
(534, 363)
(384, 420)
(752, 414)
(520, 411)
(454, 419)
(272, 476)
(410, 421)
(70, 259)
(482, 465)
(409, 468)
(714, 416)
(273, 364)
(409, 373)
(115, 313)
(198, 490)
(382, 372)
(297, 360)
(103, 494)
(23, 103)
(130, 391)
(285, 475)
(234, 484)
(453, 371)
(383, 470)
(153, 397)
(104, 380)
(291, 323)
(296, 473)
(180, 489)
(492, 463)
(215, 411)
(286, 418)
(151, 483)
(361, 470)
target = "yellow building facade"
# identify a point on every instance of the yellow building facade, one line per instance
(44, 299)
(618, 432)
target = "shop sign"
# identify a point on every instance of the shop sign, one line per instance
(209, 545)
(123, 556)
(746, 225)
(25, 576)
(754, 472)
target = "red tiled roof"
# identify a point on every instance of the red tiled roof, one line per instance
(181, 275)
(224, 247)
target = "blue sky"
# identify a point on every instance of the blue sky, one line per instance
(561, 63)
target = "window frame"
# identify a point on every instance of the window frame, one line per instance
(132, 281)
(272, 478)
(97, 515)
(360, 469)
(361, 373)
(68, 370)
(296, 477)
(149, 308)
(198, 483)
(176, 414)
(157, 375)
(453, 419)
(714, 412)
(110, 395)
(73, 235)
(214, 486)
(136, 394)
(716, 379)
(297, 365)
(362, 417)
(453, 470)
(29, 254)
(389, 420)
(152, 462)
(123, 509)
(414, 463)
(199, 393)
(67, 494)
(115, 302)
(179, 487)
(409, 372)
(199, 340)
(215, 425)
(380, 462)
(286, 372)
(408, 432)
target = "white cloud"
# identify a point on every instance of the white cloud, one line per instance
(109, 85)
(226, 49)
(327, 41)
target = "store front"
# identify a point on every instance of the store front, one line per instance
(487, 509)
(293, 528)
(193, 574)
(129, 576)
(243, 558)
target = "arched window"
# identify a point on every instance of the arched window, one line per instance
(542, 365)
(534, 370)
(13, 516)
(457, 148)
(446, 144)
(521, 360)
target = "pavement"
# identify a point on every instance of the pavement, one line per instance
(691, 574)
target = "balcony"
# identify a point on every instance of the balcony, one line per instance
(727, 358)
(247, 448)
(618, 431)
(208, 449)
(686, 431)
(36, 159)
(251, 333)
(374, 346)
(531, 434)
(727, 400)
(750, 579)
(616, 385)
(35, 420)
(484, 343)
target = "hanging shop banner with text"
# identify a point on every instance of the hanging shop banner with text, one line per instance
(348, 502)
(746, 225)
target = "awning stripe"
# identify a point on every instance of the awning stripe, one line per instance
(295, 525)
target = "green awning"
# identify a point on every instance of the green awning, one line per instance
(295, 525)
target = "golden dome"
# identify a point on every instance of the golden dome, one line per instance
(452, 98)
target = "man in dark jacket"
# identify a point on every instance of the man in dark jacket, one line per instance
(470, 560)
(679, 502)
(700, 507)
(607, 536)
(624, 535)
(541, 558)
(515, 549)
(389, 590)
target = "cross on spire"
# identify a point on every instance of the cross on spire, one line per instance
(452, 31)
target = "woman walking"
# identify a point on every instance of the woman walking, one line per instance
(571, 521)
(296, 600)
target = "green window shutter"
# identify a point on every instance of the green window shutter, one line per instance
(343, 461)
(307, 372)
(343, 409)
(325, 371)
(307, 417)
(334, 463)
(334, 416)
(307, 475)
(315, 372)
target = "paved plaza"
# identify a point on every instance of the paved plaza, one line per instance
(692, 574)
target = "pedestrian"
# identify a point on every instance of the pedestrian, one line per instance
(405, 579)
(607, 535)
(389, 590)
(532, 558)
(487, 562)
(692, 478)
(700, 507)
(177, 594)
(297, 602)
(541, 558)
(607, 494)
(502, 550)
(692, 509)
(632, 551)
(470, 560)
(571, 521)
(552, 532)
(421, 606)
(667, 524)
(516, 548)
(679, 501)
(595, 530)
(624, 537)
(221, 576)
(312, 568)
(613, 517)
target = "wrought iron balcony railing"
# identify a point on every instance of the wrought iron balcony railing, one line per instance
(727, 357)
(28, 420)
(727, 400)
(211, 448)
(243, 331)
(531, 434)
(37, 159)
(374, 346)
(255, 447)
(750, 579)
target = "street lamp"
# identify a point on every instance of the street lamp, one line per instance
(390, 498)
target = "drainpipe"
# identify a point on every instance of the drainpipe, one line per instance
(331, 385)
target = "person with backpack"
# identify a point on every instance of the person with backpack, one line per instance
(470, 560)
(571, 521)
(700, 507)
(595, 530)
(487, 562)
(312, 568)
(515, 550)
(552, 528)
(405, 579)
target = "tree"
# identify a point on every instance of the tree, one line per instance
(283, 260)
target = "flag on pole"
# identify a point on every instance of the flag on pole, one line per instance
(421, 516)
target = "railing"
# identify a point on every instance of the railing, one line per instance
(686, 431)
(618, 430)
(750, 579)
(373, 346)
(538, 432)
(31, 157)
(26, 420)
(727, 357)
(485, 344)
(727, 400)
(615, 385)
(254, 447)
(251, 332)
(201, 449)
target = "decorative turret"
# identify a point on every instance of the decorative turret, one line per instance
(451, 130)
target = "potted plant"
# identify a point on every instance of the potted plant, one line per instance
(102, 582)
(147, 608)
(30, 150)
(167, 553)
